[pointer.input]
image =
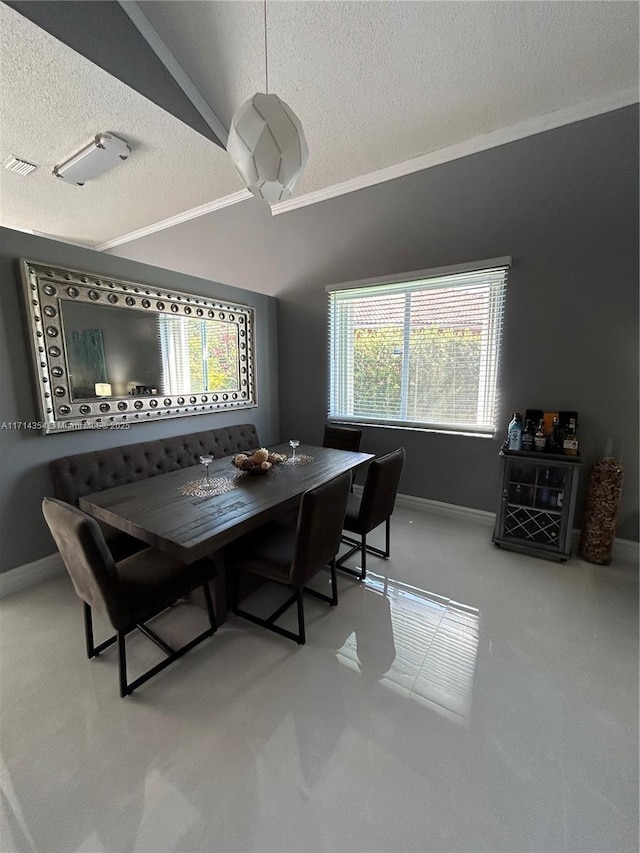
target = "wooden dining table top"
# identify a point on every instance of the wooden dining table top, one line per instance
(157, 512)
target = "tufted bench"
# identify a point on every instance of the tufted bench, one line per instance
(79, 475)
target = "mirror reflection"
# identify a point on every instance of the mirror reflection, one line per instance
(113, 352)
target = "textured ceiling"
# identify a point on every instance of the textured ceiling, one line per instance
(374, 84)
(377, 83)
(53, 102)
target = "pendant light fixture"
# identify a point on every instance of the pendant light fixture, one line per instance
(266, 142)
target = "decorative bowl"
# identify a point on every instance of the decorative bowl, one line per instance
(246, 463)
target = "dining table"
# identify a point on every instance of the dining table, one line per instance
(160, 511)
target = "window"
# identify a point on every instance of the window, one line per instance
(198, 355)
(420, 352)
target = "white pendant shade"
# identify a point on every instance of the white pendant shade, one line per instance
(267, 146)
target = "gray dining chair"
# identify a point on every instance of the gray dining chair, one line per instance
(342, 438)
(292, 554)
(128, 592)
(374, 507)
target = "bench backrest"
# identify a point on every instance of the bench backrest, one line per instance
(79, 475)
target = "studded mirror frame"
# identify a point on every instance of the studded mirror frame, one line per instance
(47, 287)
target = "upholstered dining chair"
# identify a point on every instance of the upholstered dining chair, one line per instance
(293, 554)
(341, 438)
(373, 507)
(128, 592)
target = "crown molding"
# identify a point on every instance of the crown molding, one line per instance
(57, 237)
(193, 213)
(530, 127)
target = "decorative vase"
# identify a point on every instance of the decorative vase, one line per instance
(601, 511)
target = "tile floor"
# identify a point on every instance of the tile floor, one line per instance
(464, 698)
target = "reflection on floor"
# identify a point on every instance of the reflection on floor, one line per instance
(417, 643)
(409, 721)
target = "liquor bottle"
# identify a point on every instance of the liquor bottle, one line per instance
(570, 441)
(528, 436)
(514, 432)
(556, 439)
(540, 440)
(545, 491)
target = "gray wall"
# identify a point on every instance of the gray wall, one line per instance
(564, 204)
(24, 454)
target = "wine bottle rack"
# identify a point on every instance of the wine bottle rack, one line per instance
(537, 503)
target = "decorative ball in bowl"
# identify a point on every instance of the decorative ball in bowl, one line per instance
(259, 461)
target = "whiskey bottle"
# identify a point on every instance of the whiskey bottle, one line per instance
(528, 436)
(556, 439)
(540, 439)
(570, 441)
(545, 491)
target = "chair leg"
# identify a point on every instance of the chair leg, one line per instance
(122, 661)
(334, 584)
(363, 573)
(360, 546)
(387, 542)
(92, 650)
(300, 602)
(357, 547)
(235, 583)
(210, 610)
(387, 530)
(127, 688)
(88, 630)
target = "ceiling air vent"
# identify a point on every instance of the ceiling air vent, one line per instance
(21, 167)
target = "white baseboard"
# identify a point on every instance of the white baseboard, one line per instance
(22, 577)
(451, 510)
(627, 550)
(623, 549)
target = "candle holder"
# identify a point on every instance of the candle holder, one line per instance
(294, 443)
(206, 461)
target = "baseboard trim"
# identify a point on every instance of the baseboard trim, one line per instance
(623, 549)
(441, 508)
(30, 574)
(627, 550)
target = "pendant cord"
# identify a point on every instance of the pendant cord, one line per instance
(266, 66)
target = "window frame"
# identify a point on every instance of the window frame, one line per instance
(489, 366)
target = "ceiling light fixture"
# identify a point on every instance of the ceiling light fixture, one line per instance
(102, 153)
(266, 142)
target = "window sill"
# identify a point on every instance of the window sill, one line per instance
(413, 428)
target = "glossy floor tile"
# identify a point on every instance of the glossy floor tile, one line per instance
(463, 698)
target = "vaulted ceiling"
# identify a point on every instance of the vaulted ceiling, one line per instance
(381, 89)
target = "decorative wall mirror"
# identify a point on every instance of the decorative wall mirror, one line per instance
(108, 352)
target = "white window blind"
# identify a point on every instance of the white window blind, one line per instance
(422, 352)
